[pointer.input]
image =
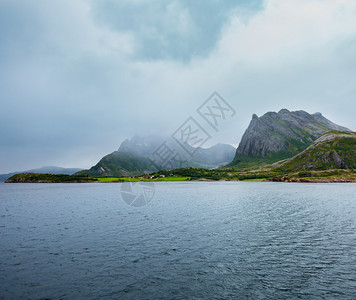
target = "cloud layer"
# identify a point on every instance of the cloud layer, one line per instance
(78, 77)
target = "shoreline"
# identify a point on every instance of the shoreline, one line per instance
(296, 180)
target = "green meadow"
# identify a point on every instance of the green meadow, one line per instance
(127, 179)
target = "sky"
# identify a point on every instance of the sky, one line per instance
(79, 77)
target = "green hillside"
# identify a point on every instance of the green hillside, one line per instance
(335, 150)
(277, 136)
(48, 178)
(120, 164)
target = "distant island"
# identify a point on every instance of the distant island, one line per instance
(284, 146)
(43, 170)
(49, 178)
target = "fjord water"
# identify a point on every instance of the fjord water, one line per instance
(196, 240)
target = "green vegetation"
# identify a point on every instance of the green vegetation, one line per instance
(49, 178)
(246, 162)
(256, 179)
(217, 174)
(142, 178)
(294, 147)
(111, 179)
(331, 158)
(336, 150)
(120, 164)
(333, 175)
(277, 136)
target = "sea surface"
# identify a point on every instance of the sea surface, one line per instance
(193, 240)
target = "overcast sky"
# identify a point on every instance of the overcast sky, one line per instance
(78, 77)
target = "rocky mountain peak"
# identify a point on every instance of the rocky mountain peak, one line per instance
(254, 116)
(283, 134)
(284, 111)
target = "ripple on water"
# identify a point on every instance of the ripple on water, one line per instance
(196, 240)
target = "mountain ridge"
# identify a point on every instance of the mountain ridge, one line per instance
(333, 150)
(275, 136)
(136, 156)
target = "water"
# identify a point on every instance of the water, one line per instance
(197, 240)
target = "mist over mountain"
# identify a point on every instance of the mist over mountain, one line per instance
(211, 157)
(145, 154)
(270, 138)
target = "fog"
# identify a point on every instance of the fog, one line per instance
(79, 77)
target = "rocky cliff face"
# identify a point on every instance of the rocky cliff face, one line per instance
(280, 135)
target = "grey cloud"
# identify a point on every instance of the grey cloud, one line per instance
(171, 29)
(70, 91)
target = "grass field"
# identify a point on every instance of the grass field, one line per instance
(121, 179)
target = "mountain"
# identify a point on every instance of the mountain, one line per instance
(215, 156)
(120, 164)
(139, 155)
(277, 136)
(334, 150)
(142, 145)
(46, 170)
(209, 158)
